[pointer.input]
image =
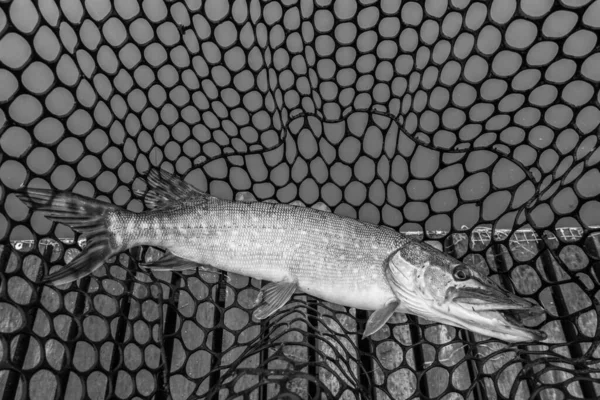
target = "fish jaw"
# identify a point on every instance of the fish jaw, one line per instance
(493, 311)
(505, 325)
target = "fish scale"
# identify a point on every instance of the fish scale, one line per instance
(328, 255)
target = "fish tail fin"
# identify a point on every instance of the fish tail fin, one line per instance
(85, 215)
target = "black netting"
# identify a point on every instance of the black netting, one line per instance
(473, 125)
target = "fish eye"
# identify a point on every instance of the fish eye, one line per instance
(461, 274)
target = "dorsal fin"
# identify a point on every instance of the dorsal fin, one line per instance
(167, 189)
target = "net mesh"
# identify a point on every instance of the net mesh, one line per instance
(473, 125)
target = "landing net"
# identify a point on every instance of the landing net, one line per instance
(473, 125)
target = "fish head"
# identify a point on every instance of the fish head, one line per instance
(435, 286)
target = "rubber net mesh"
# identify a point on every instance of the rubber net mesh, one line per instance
(472, 125)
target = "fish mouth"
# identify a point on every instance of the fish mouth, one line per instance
(501, 312)
(490, 298)
(511, 324)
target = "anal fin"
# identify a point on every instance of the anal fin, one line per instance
(171, 262)
(379, 318)
(272, 297)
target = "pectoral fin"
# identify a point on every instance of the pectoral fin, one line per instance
(380, 317)
(171, 262)
(272, 297)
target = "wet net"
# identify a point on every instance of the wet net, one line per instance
(472, 125)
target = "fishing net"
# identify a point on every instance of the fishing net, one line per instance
(472, 125)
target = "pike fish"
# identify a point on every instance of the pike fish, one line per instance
(331, 257)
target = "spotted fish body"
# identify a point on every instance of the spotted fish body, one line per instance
(334, 258)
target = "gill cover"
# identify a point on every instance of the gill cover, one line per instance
(415, 265)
